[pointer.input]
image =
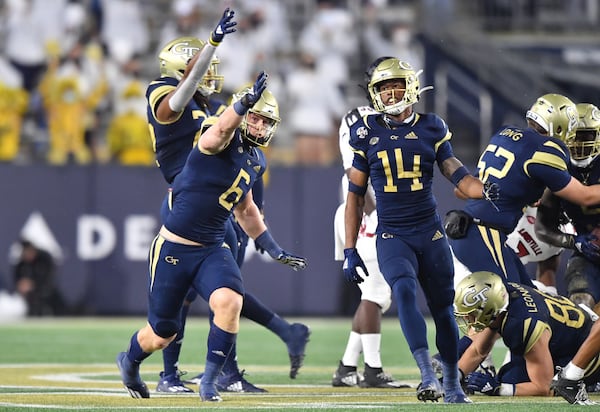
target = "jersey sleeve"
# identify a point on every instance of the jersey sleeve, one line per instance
(359, 146)
(442, 135)
(549, 164)
(157, 90)
(521, 333)
(348, 120)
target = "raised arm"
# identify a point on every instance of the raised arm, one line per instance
(172, 105)
(218, 136)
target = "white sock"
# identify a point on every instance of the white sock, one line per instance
(573, 372)
(353, 350)
(371, 343)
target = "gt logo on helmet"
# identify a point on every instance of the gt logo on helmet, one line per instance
(184, 49)
(472, 298)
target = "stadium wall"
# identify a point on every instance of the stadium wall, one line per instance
(99, 221)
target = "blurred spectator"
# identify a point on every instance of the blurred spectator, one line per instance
(187, 19)
(71, 89)
(392, 34)
(262, 41)
(316, 106)
(128, 136)
(13, 105)
(35, 280)
(330, 37)
(32, 26)
(125, 19)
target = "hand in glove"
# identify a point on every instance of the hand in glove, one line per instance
(483, 382)
(586, 245)
(354, 266)
(226, 26)
(491, 191)
(295, 262)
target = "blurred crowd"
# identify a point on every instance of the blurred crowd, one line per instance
(73, 73)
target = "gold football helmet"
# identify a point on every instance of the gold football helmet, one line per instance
(175, 56)
(267, 108)
(479, 299)
(556, 114)
(585, 145)
(391, 69)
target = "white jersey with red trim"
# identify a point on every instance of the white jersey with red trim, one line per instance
(525, 242)
(374, 288)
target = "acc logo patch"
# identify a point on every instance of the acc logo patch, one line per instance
(362, 132)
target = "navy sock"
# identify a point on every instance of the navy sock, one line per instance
(171, 352)
(424, 363)
(231, 365)
(279, 327)
(451, 377)
(219, 346)
(256, 311)
(135, 352)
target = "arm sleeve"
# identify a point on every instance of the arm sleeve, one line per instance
(188, 86)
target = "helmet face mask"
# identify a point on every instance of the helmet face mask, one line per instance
(556, 114)
(175, 56)
(260, 122)
(479, 299)
(387, 71)
(584, 146)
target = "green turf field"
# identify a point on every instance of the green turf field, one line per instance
(64, 364)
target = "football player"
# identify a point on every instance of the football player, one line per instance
(397, 149)
(541, 331)
(522, 162)
(376, 295)
(190, 251)
(583, 270)
(582, 267)
(174, 133)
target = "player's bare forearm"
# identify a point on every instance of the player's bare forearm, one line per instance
(249, 217)
(353, 217)
(589, 348)
(216, 137)
(471, 187)
(459, 194)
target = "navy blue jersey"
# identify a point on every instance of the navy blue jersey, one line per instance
(400, 163)
(584, 218)
(209, 187)
(523, 163)
(173, 141)
(530, 312)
